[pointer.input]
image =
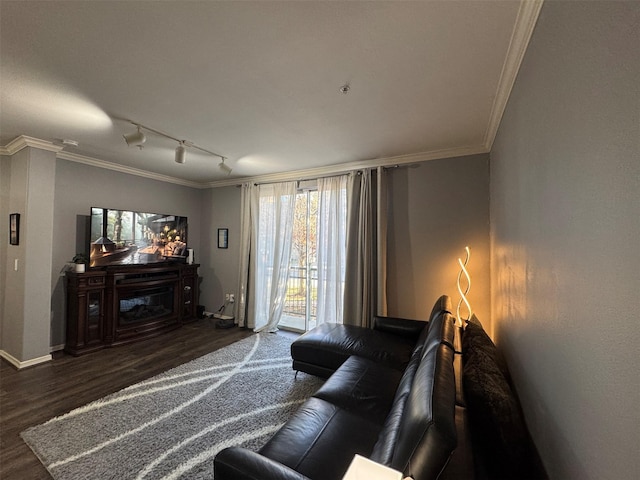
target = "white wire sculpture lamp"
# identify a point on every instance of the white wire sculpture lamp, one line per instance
(463, 294)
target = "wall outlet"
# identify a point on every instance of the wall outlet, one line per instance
(232, 298)
(226, 297)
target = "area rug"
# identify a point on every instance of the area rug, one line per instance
(172, 425)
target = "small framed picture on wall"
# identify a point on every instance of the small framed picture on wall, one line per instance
(14, 229)
(223, 238)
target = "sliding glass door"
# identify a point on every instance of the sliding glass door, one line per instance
(317, 265)
(299, 313)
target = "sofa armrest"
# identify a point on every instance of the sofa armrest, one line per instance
(237, 463)
(399, 326)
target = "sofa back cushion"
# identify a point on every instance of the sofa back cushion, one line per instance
(419, 433)
(443, 304)
(427, 434)
(383, 449)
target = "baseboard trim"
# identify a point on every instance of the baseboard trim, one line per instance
(56, 348)
(24, 364)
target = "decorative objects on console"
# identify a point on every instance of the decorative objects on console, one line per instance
(80, 260)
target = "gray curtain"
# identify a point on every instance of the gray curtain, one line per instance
(241, 311)
(365, 286)
(381, 240)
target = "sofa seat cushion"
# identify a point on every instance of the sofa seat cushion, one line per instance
(363, 387)
(330, 344)
(237, 463)
(320, 440)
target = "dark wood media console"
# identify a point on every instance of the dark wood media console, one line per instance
(121, 304)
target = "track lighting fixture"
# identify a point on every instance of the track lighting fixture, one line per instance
(181, 153)
(224, 167)
(138, 138)
(135, 139)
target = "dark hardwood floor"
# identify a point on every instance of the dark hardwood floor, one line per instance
(34, 395)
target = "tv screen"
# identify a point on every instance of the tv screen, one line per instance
(121, 237)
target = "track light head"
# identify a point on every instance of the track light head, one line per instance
(224, 167)
(181, 153)
(135, 139)
(138, 138)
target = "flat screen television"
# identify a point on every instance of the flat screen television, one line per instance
(121, 237)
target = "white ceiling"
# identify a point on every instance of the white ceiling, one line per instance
(258, 82)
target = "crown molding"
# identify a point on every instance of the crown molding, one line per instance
(351, 166)
(522, 31)
(23, 141)
(94, 162)
(284, 176)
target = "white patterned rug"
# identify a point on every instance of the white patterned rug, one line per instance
(171, 426)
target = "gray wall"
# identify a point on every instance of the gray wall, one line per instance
(5, 175)
(565, 227)
(16, 171)
(37, 235)
(26, 314)
(436, 210)
(80, 187)
(219, 267)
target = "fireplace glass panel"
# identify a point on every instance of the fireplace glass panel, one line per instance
(94, 314)
(148, 304)
(95, 299)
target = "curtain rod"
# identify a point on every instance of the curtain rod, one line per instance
(357, 171)
(302, 179)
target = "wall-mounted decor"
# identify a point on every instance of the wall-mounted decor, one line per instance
(223, 238)
(14, 229)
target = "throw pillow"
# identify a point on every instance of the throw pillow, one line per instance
(475, 339)
(496, 424)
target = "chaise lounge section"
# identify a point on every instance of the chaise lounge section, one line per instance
(390, 341)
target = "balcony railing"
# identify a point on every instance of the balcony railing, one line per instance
(299, 289)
